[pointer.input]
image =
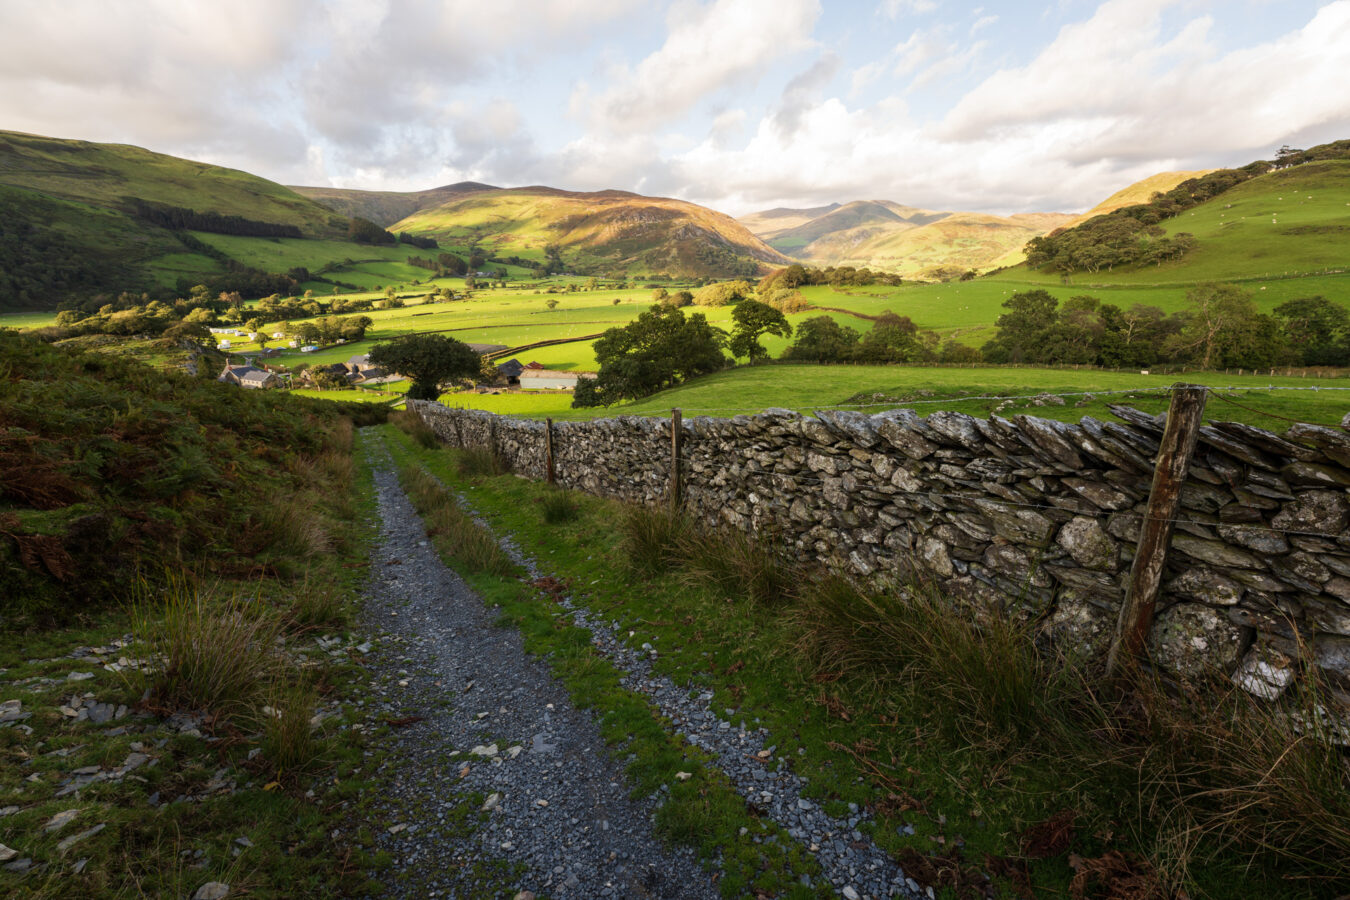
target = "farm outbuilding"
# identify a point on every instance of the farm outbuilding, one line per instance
(547, 380)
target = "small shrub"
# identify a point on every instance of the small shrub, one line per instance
(559, 507)
(650, 537)
(416, 427)
(220, 655)
(738, 564)
(482, 462)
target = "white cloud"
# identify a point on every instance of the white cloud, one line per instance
(982, 23)
(894, 9)
(707, 49)
(1115, 86)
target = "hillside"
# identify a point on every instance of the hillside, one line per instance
(881, 234)
(1278, 223)
(949, 246)
(769, 223)
(384, 208)
(851, 223)
(106, 175)
(1139, 192)
(82, 218)
(600, 232)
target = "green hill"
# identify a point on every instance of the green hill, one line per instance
(1284, 223)
(769, 223)
(384, 208)
(598, 233)
(79, 218)
(918, 243)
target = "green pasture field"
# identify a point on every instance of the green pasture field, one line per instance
(805, 387)
(24, 320)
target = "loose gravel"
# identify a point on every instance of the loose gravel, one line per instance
(551, 811)
(850, 860)
(587, 839)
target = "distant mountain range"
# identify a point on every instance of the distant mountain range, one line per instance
(922, 243)
(600, 232)
(80, 220)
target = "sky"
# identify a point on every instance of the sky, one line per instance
(740, 105)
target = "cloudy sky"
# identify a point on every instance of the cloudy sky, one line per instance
(738, 104)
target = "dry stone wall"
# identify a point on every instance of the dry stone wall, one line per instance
(1032, 517)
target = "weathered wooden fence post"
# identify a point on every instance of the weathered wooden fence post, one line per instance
(676, 439)
(1155, 532)
(548, 451)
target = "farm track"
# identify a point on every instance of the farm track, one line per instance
(497, 730)
(455, 633)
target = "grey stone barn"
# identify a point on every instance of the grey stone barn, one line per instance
(247, 376)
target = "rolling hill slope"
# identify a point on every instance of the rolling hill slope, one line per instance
(770, 223)
(919, 243)
(81, 219)
(598, 232)
(384, 208)
(1286, 223)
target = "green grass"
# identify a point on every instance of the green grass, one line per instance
(960, 733)
(290, 790)
(750, 389)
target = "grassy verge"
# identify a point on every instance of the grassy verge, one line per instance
(979, 757)
(200, 727)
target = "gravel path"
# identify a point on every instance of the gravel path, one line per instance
(854, 865)
(558, 820)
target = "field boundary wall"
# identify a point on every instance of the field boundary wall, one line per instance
(1032, 517)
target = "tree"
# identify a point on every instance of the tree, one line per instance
(822, 339)
(1223, 328)
(659, 349)
(722, 294)
(1022, 330)
(893, 338)
(551, 302)
(1317, 331)
(429, 360)
(659, 295)
(754, 319)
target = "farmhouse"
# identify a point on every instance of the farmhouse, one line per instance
(247, 376)
(547, 379)
(510, 371)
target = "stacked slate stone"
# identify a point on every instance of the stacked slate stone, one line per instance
(1030, 517)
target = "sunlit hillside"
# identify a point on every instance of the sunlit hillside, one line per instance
(604, 231)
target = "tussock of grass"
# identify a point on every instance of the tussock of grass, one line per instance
(290, 529)
(454, 531)
(416, 427)
(986, 681)
(738, 565)
(559, 507)
(220, 654)
(316, 605)
(288, 741)
(482, 462)
(1226, 769)
(651, 536)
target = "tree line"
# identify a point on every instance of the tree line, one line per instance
(180, 218)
